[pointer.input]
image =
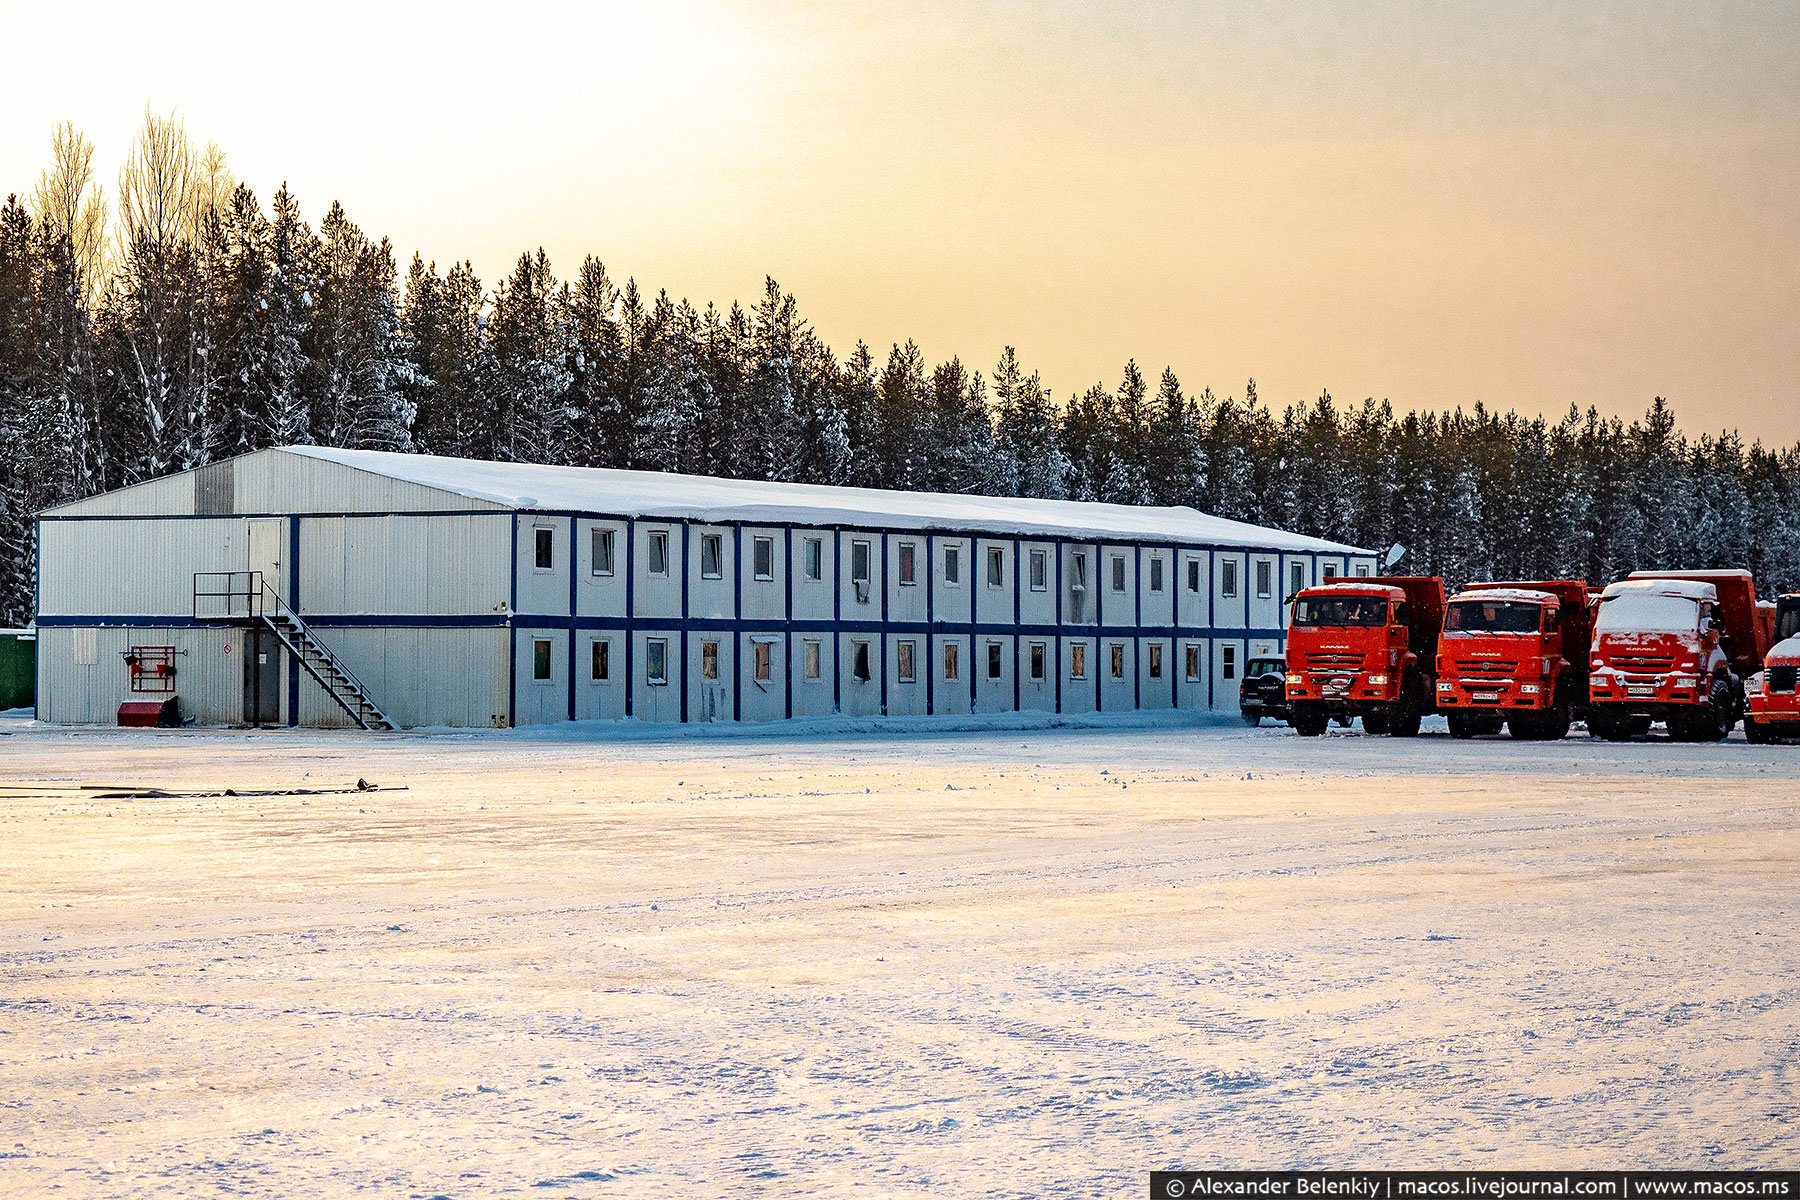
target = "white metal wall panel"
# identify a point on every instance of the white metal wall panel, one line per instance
(209, 673)
(812, 697)
(812, 597)
(599, 594)
(950, 601)
(420, 677)
(709, 699)
(764, 599)
(600, 699)
(135, 567)
(274, 481)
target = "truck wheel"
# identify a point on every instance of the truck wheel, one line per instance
(1714, 719)
(1556, 722)
(1463, 725)
(1375, 723)
(1309, 720)
(1407, 714)
(1252, 719)
(1525, 727)
(1638, 726)
(1758, 734)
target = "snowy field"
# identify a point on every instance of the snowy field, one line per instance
(1025, 962)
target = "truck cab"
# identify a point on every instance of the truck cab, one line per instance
(1514, 654)
(1674, 648)
(1364, 648)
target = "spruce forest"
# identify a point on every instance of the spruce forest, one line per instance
(181, 320)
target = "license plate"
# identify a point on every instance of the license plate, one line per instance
(1335, 687)
(1488, 696)
(1640, 691)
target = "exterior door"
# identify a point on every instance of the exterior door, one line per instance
(262, 677)
(264, 541)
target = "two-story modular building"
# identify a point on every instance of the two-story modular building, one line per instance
(311, 586)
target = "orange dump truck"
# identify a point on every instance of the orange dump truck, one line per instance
(1772, 696)
(1676, 647)
(1515, 654)
(1364, 648)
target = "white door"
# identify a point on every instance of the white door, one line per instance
(264, 541)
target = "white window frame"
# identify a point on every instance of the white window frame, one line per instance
(996, 659)
(655, 648)
(709, 648)
(600, 660)
(996, 567)
(1296, 577)
(1117, 563)
(600, 550)
(906, 661)
(543, 535)
(811, 653)
(1038, 659)
(867, 672)
(762, 660)
(813, 555)
(1156, 573)
(1192, 656)
(549, 648)
(1265, 579)
(1040, 571)
(952, 667)
(1228, 662)
(1228, 579)
(906, 563)
(1116, 659)
(713, 543)
(1156, 660)
(861, 584)
(1193, 576)
(762, 547)
(1077, 660)
(953, 565)
(656, 538)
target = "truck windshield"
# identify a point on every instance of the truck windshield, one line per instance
(1647, 612)
(1787, 619)
(1367, 611)
(1491, 616)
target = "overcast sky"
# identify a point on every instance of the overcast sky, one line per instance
(1527, 205)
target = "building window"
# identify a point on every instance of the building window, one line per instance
(1078, 661)
(951, 668)
(1362, 572)
(540, 661)
(994, 660)
(996, 567)
(810, 660)
(712, 556)
(1193, 575)
(908, 564)
(1297, 574)
(1228, 578)
(658, 564)
(1156, 574)
(1265, 583)
(764, 657)
(1078, 572)
(1118, 659)
(1037, 660)
(603, 550)
(1156, 660)
(903, 661)
(656, 659)
(859, 661)
(709, 660)
(859, 571)
(1193, 663)
(1118, 572)
(762, 557)
(815, 558)
(601, 668)
(1330, 572)
(1040, 571)
(544, 548)
(952, 566)
(1228, 662)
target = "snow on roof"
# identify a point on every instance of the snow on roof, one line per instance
(1516, 595)
(1350, 587)
(709, 500)
(1783, 653)
(1719, 573)
(1692, 589)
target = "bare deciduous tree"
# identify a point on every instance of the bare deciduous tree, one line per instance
(71, 205)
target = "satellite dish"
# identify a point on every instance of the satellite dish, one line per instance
(1395, 553)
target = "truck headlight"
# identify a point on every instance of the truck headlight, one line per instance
(1444, 685)
(1373, 679)
(1529, 689)
(1295, 677)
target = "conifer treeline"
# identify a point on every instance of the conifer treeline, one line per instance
(215, 327)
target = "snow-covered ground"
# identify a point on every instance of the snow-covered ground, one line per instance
(1031, 962)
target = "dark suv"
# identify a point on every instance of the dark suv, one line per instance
(1263, 693)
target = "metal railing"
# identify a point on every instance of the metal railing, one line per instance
(231, 596)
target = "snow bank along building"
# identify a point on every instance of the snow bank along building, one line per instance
(320, 587)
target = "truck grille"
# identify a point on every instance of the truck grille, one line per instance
(1781, 679)
(1485, 667)
(1644, 664)
(1329, 661)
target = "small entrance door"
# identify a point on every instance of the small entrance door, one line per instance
(262, 678)
(264, 541)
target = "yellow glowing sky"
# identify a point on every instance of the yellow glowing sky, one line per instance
(1524, 204)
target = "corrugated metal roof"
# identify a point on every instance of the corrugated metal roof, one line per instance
(708, 500)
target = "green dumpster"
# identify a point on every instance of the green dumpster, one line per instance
(18, 668)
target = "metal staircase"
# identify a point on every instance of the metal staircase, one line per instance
(242, 598)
